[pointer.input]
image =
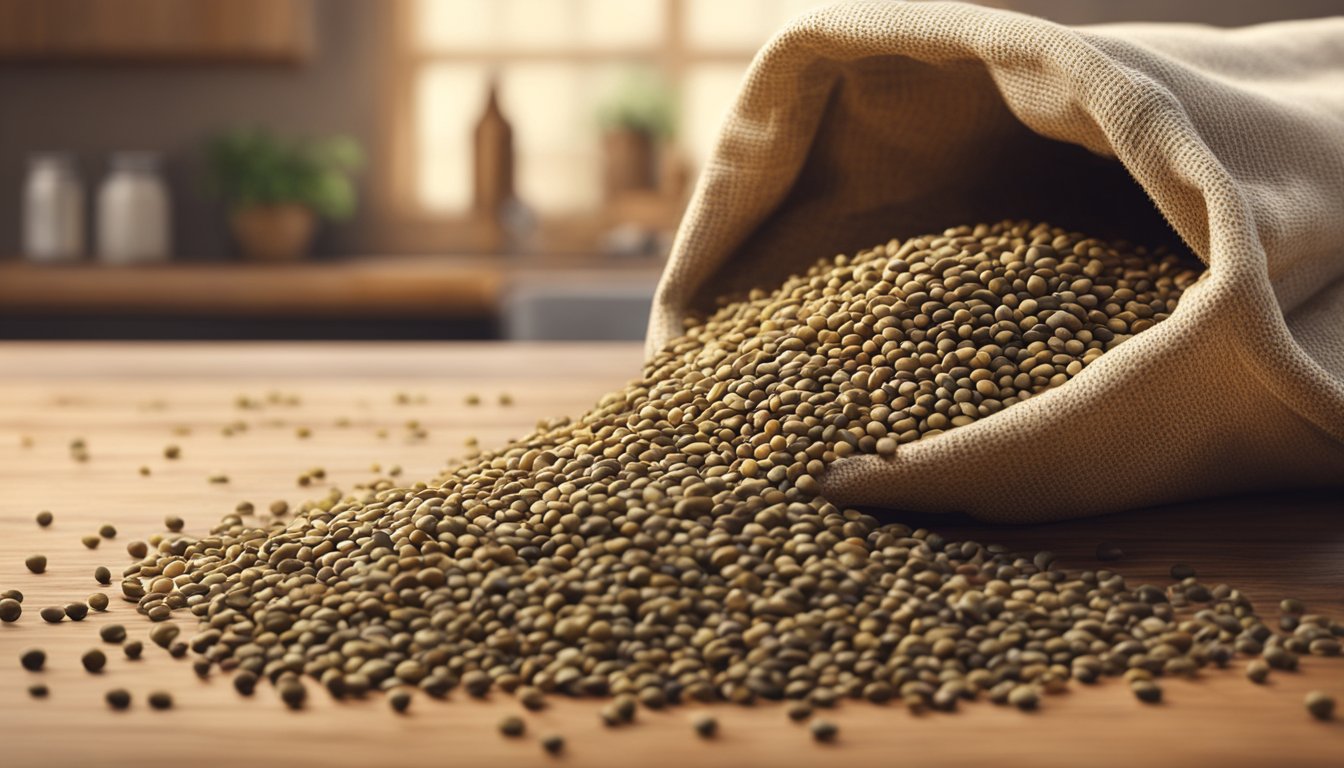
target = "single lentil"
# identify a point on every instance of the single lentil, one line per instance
(93, 660)
(10, 610)
(512, 726)
(118, 698)
(33, 659)
(44, 518)
(52, 614)
(160, 700)
(1320, 705)
(36, 563)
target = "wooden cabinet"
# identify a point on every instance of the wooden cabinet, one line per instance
(238, 31)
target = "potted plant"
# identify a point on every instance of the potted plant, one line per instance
(638, 116)
(277, 189)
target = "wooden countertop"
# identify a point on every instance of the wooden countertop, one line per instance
(374, 286)
(126, 400)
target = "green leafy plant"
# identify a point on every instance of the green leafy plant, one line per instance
(252, 167)
(643, 102)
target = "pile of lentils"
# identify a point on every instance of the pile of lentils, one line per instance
(671, 544)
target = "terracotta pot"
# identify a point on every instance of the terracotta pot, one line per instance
(280, 232)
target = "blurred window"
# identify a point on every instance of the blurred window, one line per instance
(557, 61)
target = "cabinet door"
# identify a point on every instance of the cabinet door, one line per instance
(263, 31)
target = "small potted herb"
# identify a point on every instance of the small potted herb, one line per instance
(635, 120)
(277, 189)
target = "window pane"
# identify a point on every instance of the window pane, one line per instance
(622, 23)
(553, 110)
(709, 93)
(449, 100)
(738, 25)
(538, 24)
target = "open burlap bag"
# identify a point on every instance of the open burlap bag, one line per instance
(871, 120)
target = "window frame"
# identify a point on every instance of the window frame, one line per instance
(415, 227)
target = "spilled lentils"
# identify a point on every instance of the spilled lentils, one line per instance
(673, 544)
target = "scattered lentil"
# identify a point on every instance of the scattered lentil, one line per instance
(52, 614)
(107, 531)
(173, 523)
(44, 518)
(160, 700)
(554, 743)
(98, 601)
(33, 659)
(10, 610)
(93, 660)
(38, 691)
(77, 611)
(133, 649)
(1320, 705)
(118, 698)
(102, 575)
(112, 633)
(824, 731)
(36, 563)
(512, 726)
(706, 726)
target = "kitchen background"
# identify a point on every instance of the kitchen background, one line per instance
(392, 169)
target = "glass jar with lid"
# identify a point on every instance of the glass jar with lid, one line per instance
(53, 209)
(134, 211)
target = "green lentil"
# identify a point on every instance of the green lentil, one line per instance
(107, 531)
(512, 726)
(98, 601)
(173, 523)
(137, 549)
(1320, 705)
(553, 744)
(93, 660)
(10, 610)
(133, 649)
(52, 614)
(44, 518)
(163, 635)
(292, 692)
(118, 698)
(160, 700)
(33, 659)
(112, 633)
(77, 611)
(102, 575)
(1024, 697)
(90, 542)
(1146, 691)
(824, 731)
(245, 682)
(36, 563)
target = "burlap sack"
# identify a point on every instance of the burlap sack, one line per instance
(872, 120)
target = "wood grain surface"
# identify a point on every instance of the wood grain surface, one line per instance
(129, 401)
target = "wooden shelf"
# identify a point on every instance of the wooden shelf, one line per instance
(386, 286)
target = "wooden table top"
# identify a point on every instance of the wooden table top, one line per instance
(128, 401)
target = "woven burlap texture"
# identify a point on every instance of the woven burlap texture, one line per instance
(871, 120)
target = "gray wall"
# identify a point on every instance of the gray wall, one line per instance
(95, 109)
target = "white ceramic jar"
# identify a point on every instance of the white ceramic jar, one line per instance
(53, 209)
(133, 211)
